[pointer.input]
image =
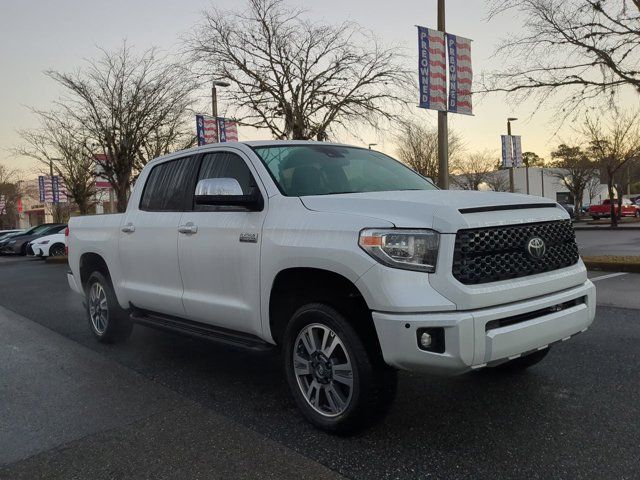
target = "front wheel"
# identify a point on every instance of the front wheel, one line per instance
(339, 384)
(56, 250)
(108, 321)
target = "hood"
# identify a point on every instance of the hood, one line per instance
(446, 211)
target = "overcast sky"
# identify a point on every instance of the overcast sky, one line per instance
(36, 35)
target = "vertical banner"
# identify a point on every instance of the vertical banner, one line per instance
(460, 74)
(214, 130)
(55, 189)
(517, 150)
(507, 151)
(41, 188)
(432, 68)
(200, 129)
(222, 130)
(3, 205)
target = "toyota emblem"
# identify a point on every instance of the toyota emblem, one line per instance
(536, 248)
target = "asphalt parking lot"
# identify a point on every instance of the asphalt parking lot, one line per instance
(165, 406)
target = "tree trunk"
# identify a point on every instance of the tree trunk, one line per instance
(121, 199)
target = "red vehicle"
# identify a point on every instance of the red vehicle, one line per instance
(604, 210)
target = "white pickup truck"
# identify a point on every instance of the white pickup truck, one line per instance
(351, 263)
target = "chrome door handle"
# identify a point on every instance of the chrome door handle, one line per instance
(189, 228)
(128, 228)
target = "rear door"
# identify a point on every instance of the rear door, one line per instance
(148, 244)
(220, 258)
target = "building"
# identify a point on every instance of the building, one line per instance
(544, 183)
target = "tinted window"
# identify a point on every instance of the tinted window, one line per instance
(166, 186)
(329, 169)
(227, 165)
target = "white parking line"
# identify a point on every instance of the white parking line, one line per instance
(610, 275)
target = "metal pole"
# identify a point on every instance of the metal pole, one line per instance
(526, 169)
(542, 180)
(511, 185)
(214, 101)
(443, 133)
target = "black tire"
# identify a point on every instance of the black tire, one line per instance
(595, 218)
(112, 324)
(56, 250)
(522, 363)
(373, 383)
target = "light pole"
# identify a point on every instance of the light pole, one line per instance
(443, 130)
(511, 185)
(214, 96)
(372, 145)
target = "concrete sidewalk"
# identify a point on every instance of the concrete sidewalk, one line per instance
(68, 412)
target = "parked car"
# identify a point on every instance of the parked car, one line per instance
(9, 233)
(47, 246)
(351, 263)
(603, 210)
(17, 245)
(569, 208)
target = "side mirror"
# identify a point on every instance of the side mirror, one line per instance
(226, 192)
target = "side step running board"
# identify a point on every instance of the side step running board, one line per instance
(200, 330)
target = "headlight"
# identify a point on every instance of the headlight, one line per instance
(407, 249)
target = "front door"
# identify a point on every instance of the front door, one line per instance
(219, 253)
(149, 239)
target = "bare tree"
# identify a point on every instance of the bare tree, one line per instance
(613, 147)
(132, 106)
(498, 181)
(593, 188)
(9, 196)
(64, 147)
(474, 169)
(418, 147)
(297, 78)
(574, 169)
(579, 49)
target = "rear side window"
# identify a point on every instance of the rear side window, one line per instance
(166, 186)
(227, 165)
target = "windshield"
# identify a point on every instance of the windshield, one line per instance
(301, 170)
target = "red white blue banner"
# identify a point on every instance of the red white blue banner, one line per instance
(511, 151)
(52, 189)
(460, 75)
(214, 130)
(432, 68)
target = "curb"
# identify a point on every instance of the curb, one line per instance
(612, 264)
(56, 259)
(608, 228)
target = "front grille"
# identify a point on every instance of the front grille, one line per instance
(484, 255)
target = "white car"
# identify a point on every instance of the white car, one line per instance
(49, 246)
(352, 264)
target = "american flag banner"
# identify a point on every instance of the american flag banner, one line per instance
(460, 74)
(3, 205)
(214, 130)
(52, 189)
(432, 68)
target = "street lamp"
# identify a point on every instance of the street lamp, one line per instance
(511, 186)
(214, 95)
(372, 145)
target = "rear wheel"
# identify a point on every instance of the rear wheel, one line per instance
(56, 250)
(522, 363)
(108, 321)
(336, 381)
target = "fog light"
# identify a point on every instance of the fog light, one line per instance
(431, 339)
(425, 340)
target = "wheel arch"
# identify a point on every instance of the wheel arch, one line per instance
(297, 286)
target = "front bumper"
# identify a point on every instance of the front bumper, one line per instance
(469, 344)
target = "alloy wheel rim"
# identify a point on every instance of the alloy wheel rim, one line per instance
(56, 251)
(98, 308)
(323, 370)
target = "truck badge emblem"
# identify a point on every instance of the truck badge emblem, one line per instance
(249, 237)
(536, 248)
